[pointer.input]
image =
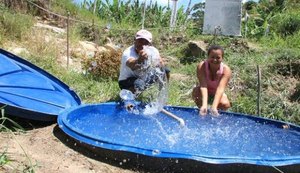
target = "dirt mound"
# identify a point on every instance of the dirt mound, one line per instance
(45, 149)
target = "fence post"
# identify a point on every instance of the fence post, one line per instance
(49, 5)
(94, 27)
(291, 69)
(144, 13)
(258, 89)
(173, 15)
(68, 43)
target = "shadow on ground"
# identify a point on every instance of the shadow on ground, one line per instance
(142, 163)
(14, 123)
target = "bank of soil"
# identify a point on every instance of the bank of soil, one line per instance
(45, 148)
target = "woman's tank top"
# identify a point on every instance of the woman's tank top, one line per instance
(212, 85)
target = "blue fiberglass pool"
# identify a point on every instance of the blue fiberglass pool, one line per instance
(229, 138)
(29, 92)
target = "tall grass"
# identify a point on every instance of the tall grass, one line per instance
(4, 158)
(14, 25)
(13, 127)
(3, 154)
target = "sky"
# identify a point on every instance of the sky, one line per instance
(165, 2)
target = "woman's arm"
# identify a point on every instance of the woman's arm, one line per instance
(203, 85)
(221, 87)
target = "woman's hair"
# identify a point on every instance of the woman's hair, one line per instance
(215, 47)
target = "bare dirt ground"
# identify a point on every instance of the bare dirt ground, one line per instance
(46, 148)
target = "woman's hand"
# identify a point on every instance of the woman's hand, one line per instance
(214, 112)
(203, 110)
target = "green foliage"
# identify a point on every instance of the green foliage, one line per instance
(280, 17)
(197, 17)
(3, 159)
(288, 55)
(276, 105)
(287, 23)
(249, 6)
(273, 41)
(294, 41)
(4, 120)
(2, 33)
(295, 97)
(91, 88)
(291, 5)
(179, 92)
(62, 7)
(14, 25)
(121, 12)
(188, 69)
(244, 104)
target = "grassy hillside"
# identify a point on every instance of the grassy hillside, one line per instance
(277, 55)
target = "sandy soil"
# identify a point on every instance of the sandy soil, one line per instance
(46, 148)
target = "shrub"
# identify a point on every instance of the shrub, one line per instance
(103, 64)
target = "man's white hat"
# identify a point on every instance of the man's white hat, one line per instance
(144, 34)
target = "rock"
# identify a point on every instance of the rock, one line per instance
(197, 48)
(111, 47)
(88, 46)
(19, 50)
(53, 28)
(101, 49)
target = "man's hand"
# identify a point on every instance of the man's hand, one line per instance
(142, 56)
(203, 110)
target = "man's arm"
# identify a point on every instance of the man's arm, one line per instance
(133, 63)
(136, 63)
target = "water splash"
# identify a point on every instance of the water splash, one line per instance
(156, 82)
(152, 108)
(129, 101)
(170, 137)
(126, 95)
(151, 86)
(156, 152)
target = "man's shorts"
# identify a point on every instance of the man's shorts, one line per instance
(135, 83)
(127, 83)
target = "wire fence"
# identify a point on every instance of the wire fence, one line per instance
(275, 89)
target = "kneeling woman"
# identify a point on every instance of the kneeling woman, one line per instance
(213, 76)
